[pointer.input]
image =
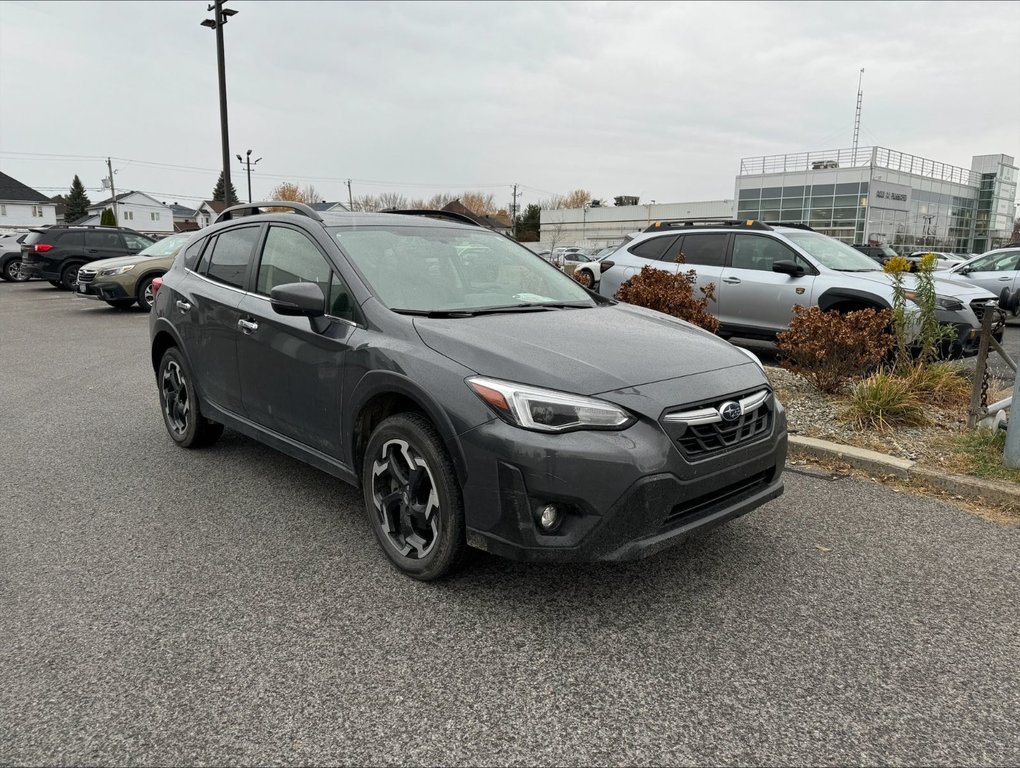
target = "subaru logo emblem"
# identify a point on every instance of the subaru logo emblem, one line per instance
(730, 411)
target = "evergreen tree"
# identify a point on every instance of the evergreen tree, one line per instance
(108, 219)
(528, 224)
(217, 193)
(77, 202)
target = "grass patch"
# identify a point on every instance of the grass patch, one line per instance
(941, 384)
(980, 453)
(884, 401)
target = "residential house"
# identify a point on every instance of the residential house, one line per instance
(208, 211)
(184, 218)
(21, 206)
(495, 223)
(135, 210)
(323, 207)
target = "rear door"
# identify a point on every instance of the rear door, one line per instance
(290, 371)
(705, 253)
(104, 244)
(210, 311)
(654, 252)
(752, 295)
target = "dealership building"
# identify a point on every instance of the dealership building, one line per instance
(878, 195)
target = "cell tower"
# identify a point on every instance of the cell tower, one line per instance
(857, 117)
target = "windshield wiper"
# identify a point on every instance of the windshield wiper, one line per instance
(472, 312)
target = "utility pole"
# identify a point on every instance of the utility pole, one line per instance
(350, 197)
(513, 214)
(857, 116)
(222, 14)
(113, 192)
(246, 161)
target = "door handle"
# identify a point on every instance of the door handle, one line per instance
(183, 305)
(732, 280)
(1004, 279)
(247, 327)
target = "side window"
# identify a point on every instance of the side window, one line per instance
(193, 253)
(708, 250)
(759, 252)
(136, 242)
(231, 253)
(70, 239)
(105, 241)
(654, 248)
(998, 262)
(290, 257)
(340, 301)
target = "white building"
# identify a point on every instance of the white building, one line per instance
(595, 227)
(208, 211)
(22, 207)
(135, 210)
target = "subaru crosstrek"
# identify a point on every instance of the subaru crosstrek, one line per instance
(464, 384)
(762, 271)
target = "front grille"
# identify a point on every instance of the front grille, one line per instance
(700, 432)
(702, 506)
(86, 275)
(981, 305)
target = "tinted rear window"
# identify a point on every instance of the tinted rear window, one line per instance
(231, 254)
(71, 239)
(707, 250)
(654, 248)
(32, 237)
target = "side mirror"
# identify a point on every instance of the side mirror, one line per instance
(790, 268)
(298, 300)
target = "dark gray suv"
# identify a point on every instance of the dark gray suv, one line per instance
(466, 385)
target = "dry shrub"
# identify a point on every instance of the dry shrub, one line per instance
(941, 384)
(671, 294)
(831, 349)
(883, 401)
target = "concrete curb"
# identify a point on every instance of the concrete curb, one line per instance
(873, 462)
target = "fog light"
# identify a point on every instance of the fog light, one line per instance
(549, 518)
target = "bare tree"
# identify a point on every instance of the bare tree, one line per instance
(479, 203)
(394, 200)
(367, 203)
(579, 198)
(293, 193)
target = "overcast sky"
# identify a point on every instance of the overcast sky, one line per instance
(658, 100)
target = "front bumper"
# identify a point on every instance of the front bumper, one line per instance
(101, 291)
(626, 495)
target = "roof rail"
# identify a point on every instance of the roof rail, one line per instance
(790, 224)
(252, 209)
(436, 214)
(704, 224)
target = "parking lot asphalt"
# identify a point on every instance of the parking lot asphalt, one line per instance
(230, 605)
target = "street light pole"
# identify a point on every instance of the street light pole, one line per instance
(222, 14)
(246, 162)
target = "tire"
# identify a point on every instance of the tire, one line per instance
(144, 293)
(585, 278)
(182, 416)
(69, 277)
(121, 303)
(413, 498)
(1004, 298)
(11, 271)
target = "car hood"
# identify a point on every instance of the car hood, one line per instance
(586, 351)
(123, 261)
(944, 286)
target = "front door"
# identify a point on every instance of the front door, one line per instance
(104, 244)
(993, 271)
(752, 295)
(291, 367)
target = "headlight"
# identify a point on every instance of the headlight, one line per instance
(753, 357)
(944, 302)
(545, 410)
(116, 270)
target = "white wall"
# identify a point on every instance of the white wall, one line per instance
(20, 214)
(596, 227)
(141, 213)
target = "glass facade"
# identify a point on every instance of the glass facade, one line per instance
(879, 196)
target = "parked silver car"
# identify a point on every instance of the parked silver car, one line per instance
(761, 272)
(996, 271)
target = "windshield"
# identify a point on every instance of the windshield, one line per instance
(436, 269)
(168, 246)
(831, 253)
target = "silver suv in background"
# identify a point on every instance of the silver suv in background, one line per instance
(997, 271)
(762, 271)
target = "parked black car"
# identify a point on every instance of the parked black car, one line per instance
(880, 253)
(56, 253)
(465, 384)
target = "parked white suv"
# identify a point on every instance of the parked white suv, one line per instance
(761, 272)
